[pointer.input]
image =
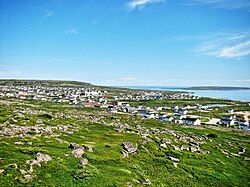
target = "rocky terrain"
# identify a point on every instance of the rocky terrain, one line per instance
(48, 144)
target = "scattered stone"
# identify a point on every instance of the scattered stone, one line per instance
(74, 146)
(14, 165)
(28, 175)
(28, 178)
(78, 150)
(124, 154)
(138, 127)
(89, 148)
(157, 139)
(43, 157)
(23, 172)
(176, 148)
(235, 154)
(163, 145)
(19, 143)
(2, 171)
(224, 152)
(84, 161)
(40, 158)
(39, 129)
(129, 147)
(166, 141)
(39, 121)
(175, 164)
(174, 159)
(136, 181)
(184, 147)
(129, 184)
(147, 182)
(247, 158)
(194, 149)
(242, 150)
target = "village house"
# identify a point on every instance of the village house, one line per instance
(181, 111)
(150, 115)
(162, 116)
(168, 119)
(242, 122)
(227, 121)
(119, 103)
(244, 127)
(190, 121)
(112, 109)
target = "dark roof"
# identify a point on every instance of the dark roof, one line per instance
(226, 119)
(242, 121)
(190, 119)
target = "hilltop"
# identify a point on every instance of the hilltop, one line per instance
(50, 83)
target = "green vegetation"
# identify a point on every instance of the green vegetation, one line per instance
(106, 167)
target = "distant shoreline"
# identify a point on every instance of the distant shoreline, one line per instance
(222, 88)
(223, 92)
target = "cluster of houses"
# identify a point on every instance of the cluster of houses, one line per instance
(150, 95)
(88, 96)
(178, 115)
(118, 103)
(228, 121)
(69, 95)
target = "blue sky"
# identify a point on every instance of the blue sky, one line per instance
(127, 42)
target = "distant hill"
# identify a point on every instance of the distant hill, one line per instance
(44, 83)
(64, 83)
(216, 88)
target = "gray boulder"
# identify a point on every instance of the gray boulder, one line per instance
(129, 147)
(77, 151)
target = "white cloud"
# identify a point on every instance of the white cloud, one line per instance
(10, 73)
(242, 80)
(139, 4)
(47, 13)
(71, 31)
(127, 78)
(238, 50)
(171, 80)
(226, 45)
(226, 4)
(122, 79)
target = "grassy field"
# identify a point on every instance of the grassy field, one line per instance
(149, 166)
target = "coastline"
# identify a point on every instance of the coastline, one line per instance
(229, 94)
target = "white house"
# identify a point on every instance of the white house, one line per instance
(227, 122)
(168, 119)
(191, 121)
(162, 116)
